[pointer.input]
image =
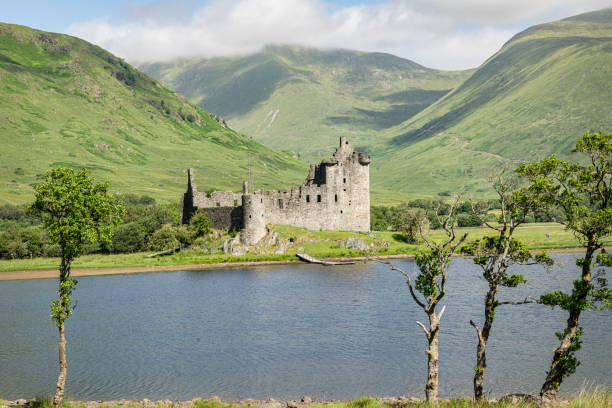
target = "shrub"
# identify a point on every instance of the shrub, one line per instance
(468, 220)
(200, 224)
(130, 237)
(164, 239)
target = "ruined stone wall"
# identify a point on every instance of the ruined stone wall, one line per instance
(334, 196)
(224, 208)
(225, 218)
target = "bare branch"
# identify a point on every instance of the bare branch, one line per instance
(478, 331)
(409, 283)
(424, 329)
(459, 242)
(528, 299)
(441, 312)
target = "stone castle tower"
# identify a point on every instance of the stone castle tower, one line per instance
(334, 196)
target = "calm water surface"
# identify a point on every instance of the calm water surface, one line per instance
(282, 331)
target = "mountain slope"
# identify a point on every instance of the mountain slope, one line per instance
(547, 86)
(64, 101)
(302, 99)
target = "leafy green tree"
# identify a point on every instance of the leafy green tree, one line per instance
(75, 211)
(430, 282)
(496, 255)
(410, 222)
(582, 192)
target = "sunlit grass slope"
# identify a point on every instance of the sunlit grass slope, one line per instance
(66, 102)
(303, 99)
(546, 87)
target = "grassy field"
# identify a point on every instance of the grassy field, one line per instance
(66, 102)
(320, 244)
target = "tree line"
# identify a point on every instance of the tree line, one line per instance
(145, 226)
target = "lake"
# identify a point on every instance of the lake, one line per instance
(283, 332)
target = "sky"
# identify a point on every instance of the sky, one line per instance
(442, 34)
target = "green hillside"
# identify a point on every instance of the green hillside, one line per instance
(303, 99)
(66, 102)
(546, 87)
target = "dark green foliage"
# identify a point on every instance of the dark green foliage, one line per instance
(165, 238)
(20, 239)
(410, 222)
(130, 237)
(381, 218)
(431, 265)
(468, 220)
(200, 224)
(74, 210)
(63, 308)
(568, 363)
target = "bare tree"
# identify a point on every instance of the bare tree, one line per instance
(430, 282)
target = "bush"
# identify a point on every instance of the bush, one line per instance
(130, 237)
(409, 222)
(200, 224)
(468, 220)
(164, 239)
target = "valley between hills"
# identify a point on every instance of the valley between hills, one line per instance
(67, 102)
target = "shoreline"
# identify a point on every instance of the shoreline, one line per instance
(303, 402)
(28, 274)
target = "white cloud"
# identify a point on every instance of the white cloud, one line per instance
(445, 34)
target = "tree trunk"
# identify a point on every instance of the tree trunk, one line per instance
(61, 379)
(551, 385)
(431, 388)
(483, 337)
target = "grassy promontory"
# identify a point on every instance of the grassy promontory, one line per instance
(320, 244)
(584, 399)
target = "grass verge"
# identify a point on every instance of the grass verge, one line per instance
(595, 398)
(320, 244)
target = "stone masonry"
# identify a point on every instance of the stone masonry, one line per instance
(334, 196)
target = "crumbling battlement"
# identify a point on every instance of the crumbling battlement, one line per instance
(334, 196)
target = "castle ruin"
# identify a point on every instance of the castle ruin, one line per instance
(334, 196)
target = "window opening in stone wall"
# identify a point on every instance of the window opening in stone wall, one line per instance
(235, 203)
(336, 197)
(280, 203)
(249, 215)
(307, 198)
(340, 211)
(218, 204)
(318, 198)
(344, 180)
(262, 200)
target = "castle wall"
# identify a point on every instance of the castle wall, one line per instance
(334, 196)
(225, 218)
